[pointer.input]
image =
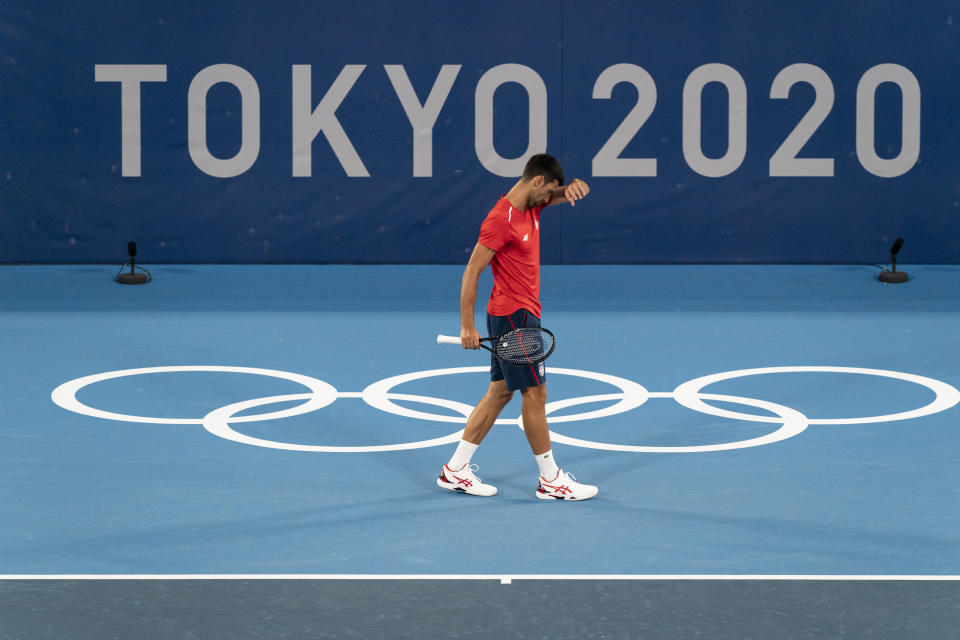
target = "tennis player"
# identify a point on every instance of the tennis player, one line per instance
(510, 243)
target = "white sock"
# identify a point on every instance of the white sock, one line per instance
(548, 466)
(461, 457)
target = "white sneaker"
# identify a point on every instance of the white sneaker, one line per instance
(464, 481)
(564, 487)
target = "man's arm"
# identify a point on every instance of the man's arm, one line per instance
(481, 257)
(576, 190)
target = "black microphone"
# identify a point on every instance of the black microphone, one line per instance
(132, 250)
(133, 277)
(894, 250)
(893, 275)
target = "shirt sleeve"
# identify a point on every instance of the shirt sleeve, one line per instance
(495, 231)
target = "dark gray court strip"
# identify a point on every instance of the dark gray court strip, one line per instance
(548, 609)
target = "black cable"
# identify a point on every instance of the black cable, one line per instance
(127, 264)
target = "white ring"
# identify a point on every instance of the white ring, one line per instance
(794, 422)
(633, 395)
(688, 394)
(218, 421)
(378, 395)
(66, 394)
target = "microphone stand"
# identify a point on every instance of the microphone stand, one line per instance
(133, 277)
(893, 276)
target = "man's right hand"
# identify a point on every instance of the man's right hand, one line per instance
(470, 338)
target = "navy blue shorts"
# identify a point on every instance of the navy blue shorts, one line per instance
(515, 377)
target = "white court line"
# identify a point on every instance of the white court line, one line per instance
(503, 578)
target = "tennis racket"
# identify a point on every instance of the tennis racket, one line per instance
(520, 347)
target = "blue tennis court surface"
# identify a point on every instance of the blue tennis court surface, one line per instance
(814, 468)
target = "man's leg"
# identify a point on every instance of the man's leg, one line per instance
(485, 413)
(457, 475)
(533, 409)
(554, 483)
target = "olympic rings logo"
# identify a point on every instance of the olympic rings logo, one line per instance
(630, 395)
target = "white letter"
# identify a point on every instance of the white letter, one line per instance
(785, 161)
(531, 81)
(422, 118)
(736, 124)
(910, 129)
(130, 76)
(307, 125)
(197, 120)
(608, 162)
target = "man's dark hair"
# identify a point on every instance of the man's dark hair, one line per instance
(545, 165)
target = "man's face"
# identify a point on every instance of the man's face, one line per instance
(541, 191)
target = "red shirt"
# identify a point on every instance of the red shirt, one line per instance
(515, 236)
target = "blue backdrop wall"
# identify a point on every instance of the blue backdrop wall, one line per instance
(383, 131)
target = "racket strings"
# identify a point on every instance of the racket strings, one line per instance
(526, 345)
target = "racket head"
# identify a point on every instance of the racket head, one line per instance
(523, 346)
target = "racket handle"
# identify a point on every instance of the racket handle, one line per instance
(442, 339)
